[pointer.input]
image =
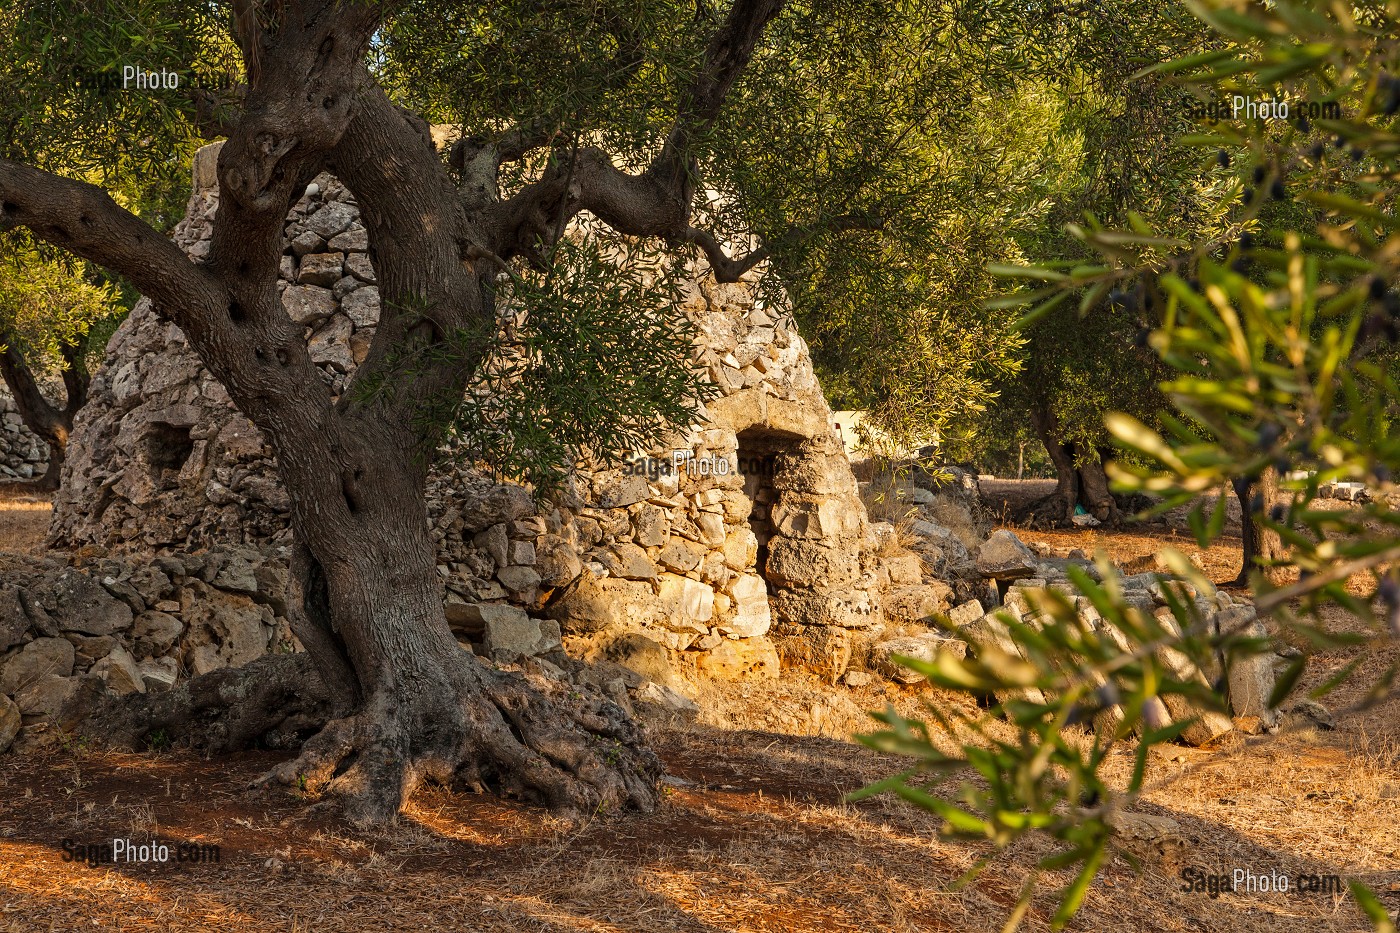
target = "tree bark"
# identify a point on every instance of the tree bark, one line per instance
(1261, 548)
(1094, 490)
(51, 423)
(1066, 494)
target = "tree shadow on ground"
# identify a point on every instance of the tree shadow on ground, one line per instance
(755, 835)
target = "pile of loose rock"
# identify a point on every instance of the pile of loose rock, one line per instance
(22, 454)
(1018, 580)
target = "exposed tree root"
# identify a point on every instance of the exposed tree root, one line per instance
(275, 701)
(576, 753)
(530, 738)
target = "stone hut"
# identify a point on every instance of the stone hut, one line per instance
(740, 541)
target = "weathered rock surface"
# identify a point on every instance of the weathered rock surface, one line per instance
(10, 722)
(659, 702)
(512, 638)
(23, 455)
(1004, 557)
(643, 656)
(737, 659)
(918, 647)
(40, 658)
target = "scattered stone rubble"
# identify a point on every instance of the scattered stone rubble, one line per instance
(1020, 578)
(22, 454)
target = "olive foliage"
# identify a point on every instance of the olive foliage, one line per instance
(1278, 333)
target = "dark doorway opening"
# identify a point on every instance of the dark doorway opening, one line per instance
(168, 447)
(758, 464)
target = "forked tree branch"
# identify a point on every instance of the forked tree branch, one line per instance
(730, 269)
(658, 201)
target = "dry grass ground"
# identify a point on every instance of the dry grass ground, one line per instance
(24, 519)
(754, 836)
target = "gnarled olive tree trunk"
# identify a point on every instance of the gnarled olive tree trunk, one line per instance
(1261, 549)
(1078, 480)
(397, 699)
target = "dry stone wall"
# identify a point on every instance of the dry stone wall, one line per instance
(70, 635)
(22, 454)
(736, 545)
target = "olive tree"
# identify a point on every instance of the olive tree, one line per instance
(669, 124)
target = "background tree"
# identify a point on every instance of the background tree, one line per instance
(49, 311)
(65, 117)
(1117, 142)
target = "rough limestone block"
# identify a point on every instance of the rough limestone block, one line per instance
(42, 657)
(308, 304)
(1004, 557)
(77, 603)
(333, 218)
(643, 656)
(650, 527)
(682, 556)
(655, 700)
(687, 605)
(10, 721)
(737, 659)
(520, 580)
(14, 621)
(120, 672)
(798, 563)
(740, 548)
(355, 239)
(752, 615)
(628, 561)
(591, 604)
(965, 613)
(711, 528)
(992, 631)
(323, 269)
(46, 696)
(305, 243)
(496, 542)
(358, 265)
(918, 603)
(361, 306)
(624, 492)
(512, 636)
(1251, 681)
(159, 674)
(924, 647)
(330, 344)
(905, 568)
(89, 648)
(470, 619)
(806, 516)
